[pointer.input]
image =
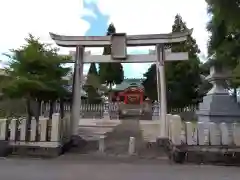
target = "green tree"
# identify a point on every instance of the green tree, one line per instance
(35, 74)
(182, 77)
(227, 10)
(110, 73)
(92, 91)
(150, 83)
(224, 42)
(4, 78)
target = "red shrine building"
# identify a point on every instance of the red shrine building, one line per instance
(130, 91)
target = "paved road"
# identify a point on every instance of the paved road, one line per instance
(33, 169)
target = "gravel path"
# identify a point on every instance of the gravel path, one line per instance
(85, 169)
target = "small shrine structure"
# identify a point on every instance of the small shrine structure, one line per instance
(132, 95)
(129, 91)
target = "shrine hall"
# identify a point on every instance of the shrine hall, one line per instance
(130, 91)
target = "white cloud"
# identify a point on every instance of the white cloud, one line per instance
(39, 17)
(157, 16)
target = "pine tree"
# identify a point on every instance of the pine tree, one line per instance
(92, 91)
(226, 10)
(183, 77)
(224, 42)
(110, 73)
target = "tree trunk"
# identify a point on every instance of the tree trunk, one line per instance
(38, 108)
(109, 95)
(49, 122)
(51, 109)
(110, 99)
(37, 118)
(29, 118)
(235, 94)
(61, 108)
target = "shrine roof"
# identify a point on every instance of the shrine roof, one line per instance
(128, 83)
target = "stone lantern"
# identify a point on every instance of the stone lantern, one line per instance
(218, 106)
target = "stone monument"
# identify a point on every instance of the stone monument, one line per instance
(218, 106)
(156, 110)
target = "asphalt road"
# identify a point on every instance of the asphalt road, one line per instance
(76, 169)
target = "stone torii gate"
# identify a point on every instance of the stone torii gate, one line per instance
(119, 43)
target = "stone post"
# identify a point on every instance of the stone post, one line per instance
(163, 99)
(156, 111)
(131, 148)
(106, 107)
(101, 144)
(77, 87)
(117, 109)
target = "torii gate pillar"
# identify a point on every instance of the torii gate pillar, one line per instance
(161, 89)
(119, 43)
(77, 88)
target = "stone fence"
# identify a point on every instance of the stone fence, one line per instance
(97, 110)
(17, 108)
(45, 137)
(205, 142)
(86, 110)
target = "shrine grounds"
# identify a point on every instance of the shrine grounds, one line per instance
(73, 168)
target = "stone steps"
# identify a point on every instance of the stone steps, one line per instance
(92, 129)
(117, 141)
(117, 134)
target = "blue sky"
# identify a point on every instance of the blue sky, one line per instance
(91, 17)
(98, 25)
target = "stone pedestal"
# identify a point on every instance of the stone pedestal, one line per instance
(218, 106)
(156, 111)
(106, 111)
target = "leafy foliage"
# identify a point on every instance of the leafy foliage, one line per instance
(224, 43)
(90, 86)
(35, 72)
(226, 10)
(183, 77)
(110, 73)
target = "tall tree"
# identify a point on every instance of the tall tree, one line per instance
(227, 10)
(224, 39)
(92, 91)
(110, 73)
(183, 77)
(224, 42)
(35, 73)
